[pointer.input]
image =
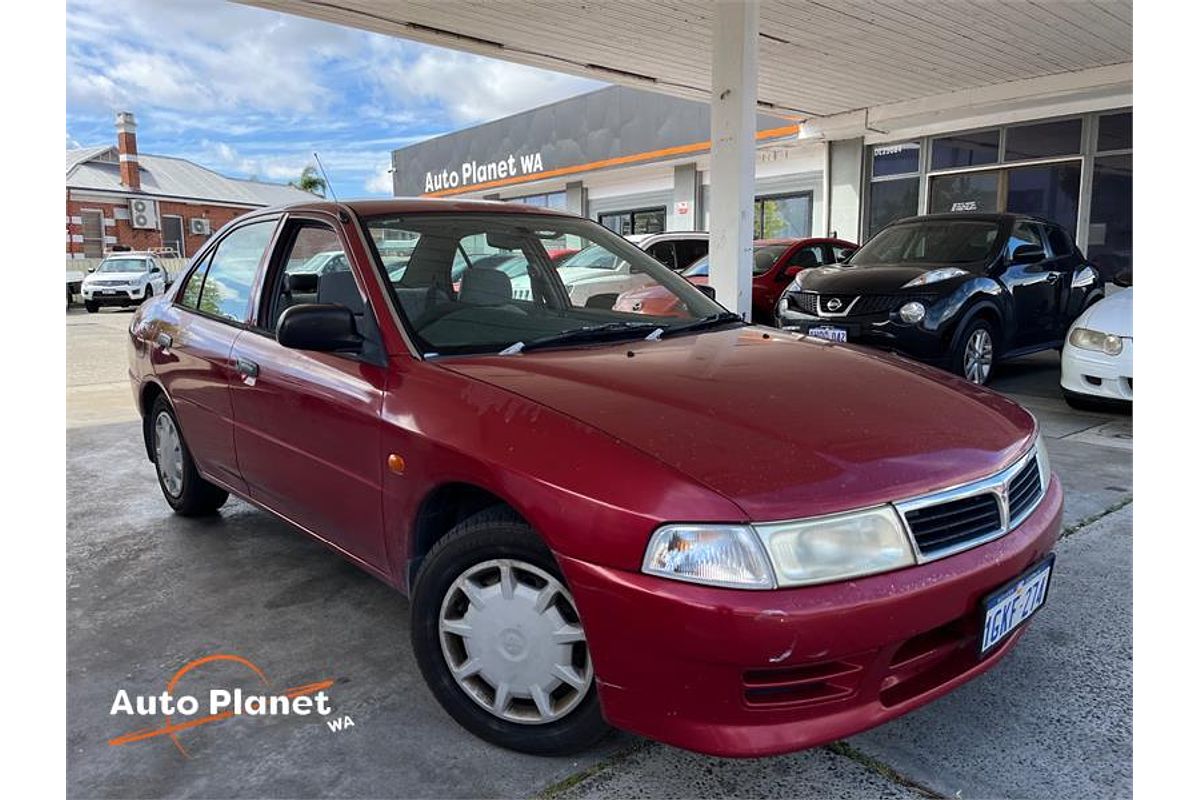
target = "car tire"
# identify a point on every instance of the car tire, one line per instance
(503, 563)
(185, 491)
(91, 307)
(974, 353)
(149, 293)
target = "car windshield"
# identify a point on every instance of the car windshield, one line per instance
(509, 295)
(593, 257)
(933, 241)
(698, 267)
(122, 265)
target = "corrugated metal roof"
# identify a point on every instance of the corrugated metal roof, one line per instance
(163, 176)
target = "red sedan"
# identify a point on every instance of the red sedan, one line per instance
(776, 262)
(601, 517)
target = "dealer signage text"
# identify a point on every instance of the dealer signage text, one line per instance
(473, 172)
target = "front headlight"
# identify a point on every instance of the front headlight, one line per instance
(934, 275)
(719, 555)
(1107, 343)
(837, 547)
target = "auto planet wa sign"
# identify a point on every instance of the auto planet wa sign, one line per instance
(473, 172)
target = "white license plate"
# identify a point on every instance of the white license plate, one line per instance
(1005, 609)
(828, 332)
(108, 291)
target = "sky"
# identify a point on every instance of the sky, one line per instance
(252, 93)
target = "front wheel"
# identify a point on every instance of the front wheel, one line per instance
(975, 352)
(186, 492)
(91, 307)
(499, 640)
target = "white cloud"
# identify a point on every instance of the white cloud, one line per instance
(381, 181)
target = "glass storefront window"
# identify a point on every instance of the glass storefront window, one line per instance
(892, 200)
(550, 200)
(895, 159)
(1043, 140)
(1046, 190)
(786, 216)
(1116, 132)
(1110, 232)
(966, 150)
(967, 191)
(646, 220)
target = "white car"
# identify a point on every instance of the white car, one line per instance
(677, 249)
(1097, 358)
(123, 279)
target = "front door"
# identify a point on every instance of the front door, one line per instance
(308, 424)
(193, 343)
(1034, 286)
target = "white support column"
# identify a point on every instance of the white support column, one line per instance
(734, 106)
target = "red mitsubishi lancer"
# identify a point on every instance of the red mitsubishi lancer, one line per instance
(602, 517)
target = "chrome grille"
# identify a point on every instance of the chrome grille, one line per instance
(851, 305)
(954, 520)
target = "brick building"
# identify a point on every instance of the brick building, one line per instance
(116, 197)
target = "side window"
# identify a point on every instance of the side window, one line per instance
(1060, 243)
(689, 251)
(664, 252)
(807, 257)
(1022, 233)
(189, 296)
(225, 291)
(842, 253)
(315, 270)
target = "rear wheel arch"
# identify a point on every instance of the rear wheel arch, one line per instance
(444, 507)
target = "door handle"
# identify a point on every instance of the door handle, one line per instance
(164, 340)
(247, 368)
(1051, 277)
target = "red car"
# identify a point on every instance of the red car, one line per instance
(601, 517)
(776, 262)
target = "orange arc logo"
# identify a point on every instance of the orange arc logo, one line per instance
(173, 728)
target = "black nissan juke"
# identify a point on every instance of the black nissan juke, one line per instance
(960, 291)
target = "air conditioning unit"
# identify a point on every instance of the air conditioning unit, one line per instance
(143, 214)
(199, 226)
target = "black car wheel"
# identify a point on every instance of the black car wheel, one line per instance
(975, 352)
(499, 641)
(186, 492)
(91, 307)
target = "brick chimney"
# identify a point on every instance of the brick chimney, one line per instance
(127, 147)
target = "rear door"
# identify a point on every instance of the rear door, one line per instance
(194, 340)
(308, 427)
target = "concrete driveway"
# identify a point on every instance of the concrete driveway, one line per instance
(148, 592)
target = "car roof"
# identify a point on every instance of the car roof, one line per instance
(415, 205)
(980, 216)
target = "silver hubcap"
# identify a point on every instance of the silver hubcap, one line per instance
(512, 639)
(977, 360)
(168, 454)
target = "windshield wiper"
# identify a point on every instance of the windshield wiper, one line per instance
(586, 333)
(711, 321)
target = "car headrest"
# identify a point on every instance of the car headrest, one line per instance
(485, 287)
(301, 282)
(340, 288)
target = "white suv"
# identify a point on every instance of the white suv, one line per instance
(677, 249)
(123, 279)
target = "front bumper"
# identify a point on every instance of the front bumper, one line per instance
(749, 673)
(1090, 373)
(880, 331)
(113, 296)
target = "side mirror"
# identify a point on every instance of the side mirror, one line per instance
(707, 291)
(1124, 278)
(1028, 254)
(323, 327)
(791, 272)
(91, 269)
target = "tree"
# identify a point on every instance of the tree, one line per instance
(310, 181)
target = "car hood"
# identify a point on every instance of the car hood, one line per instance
(1113, 314)
(875, 278)
(781, 425)
(114, 276)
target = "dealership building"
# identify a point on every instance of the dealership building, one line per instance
(638, 162)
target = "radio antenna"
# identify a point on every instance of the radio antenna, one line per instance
(325, 175)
